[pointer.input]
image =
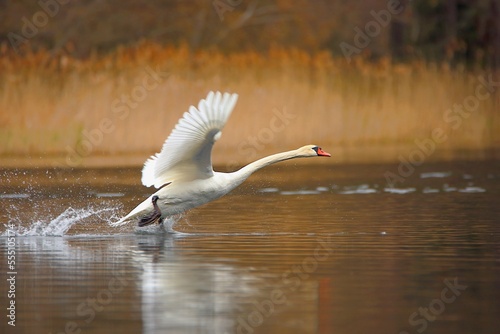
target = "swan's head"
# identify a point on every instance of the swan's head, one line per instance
(312, 151)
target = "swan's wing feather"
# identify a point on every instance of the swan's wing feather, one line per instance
(187, 151)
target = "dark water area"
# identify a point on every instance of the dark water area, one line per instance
(295, 249)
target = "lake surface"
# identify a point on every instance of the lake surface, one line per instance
(296, 249)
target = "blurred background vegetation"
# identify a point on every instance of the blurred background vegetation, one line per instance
(63, 63)
(446, 30)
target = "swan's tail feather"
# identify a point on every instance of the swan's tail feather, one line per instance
(121, 222)
(145, 209)
(125, 220)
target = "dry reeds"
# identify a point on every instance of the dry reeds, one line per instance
(127, 102)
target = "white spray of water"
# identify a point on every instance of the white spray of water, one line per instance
(60, 225)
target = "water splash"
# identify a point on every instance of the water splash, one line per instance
(60, 225)
(393, 190)
(435, 175)
(269, 190)
(300, 192)
(471, 189)
(361, 189)
(15, 195)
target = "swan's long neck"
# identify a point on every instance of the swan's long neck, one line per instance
(241, 175)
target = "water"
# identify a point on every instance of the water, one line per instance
(296, 249)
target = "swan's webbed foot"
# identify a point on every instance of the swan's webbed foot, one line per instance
(153, 216)
(149, 219)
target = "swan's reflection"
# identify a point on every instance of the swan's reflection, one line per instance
(168, 283)
(179, 292)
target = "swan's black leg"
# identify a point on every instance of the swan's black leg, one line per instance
(153, 216)
(149, 219)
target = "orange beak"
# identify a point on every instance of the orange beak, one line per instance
(322, 153)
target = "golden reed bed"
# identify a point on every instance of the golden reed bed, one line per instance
(126, 102)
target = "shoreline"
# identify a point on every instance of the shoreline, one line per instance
(223, 158)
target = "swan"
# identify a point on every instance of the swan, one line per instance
(182, 171)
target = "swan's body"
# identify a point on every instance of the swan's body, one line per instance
(183, 169)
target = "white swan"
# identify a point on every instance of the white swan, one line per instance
(183, 172)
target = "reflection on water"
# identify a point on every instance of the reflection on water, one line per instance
(298, 249)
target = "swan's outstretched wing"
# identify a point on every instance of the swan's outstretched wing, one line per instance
(186, 154)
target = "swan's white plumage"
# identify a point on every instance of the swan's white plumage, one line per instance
(184, 162)
(186, 154)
